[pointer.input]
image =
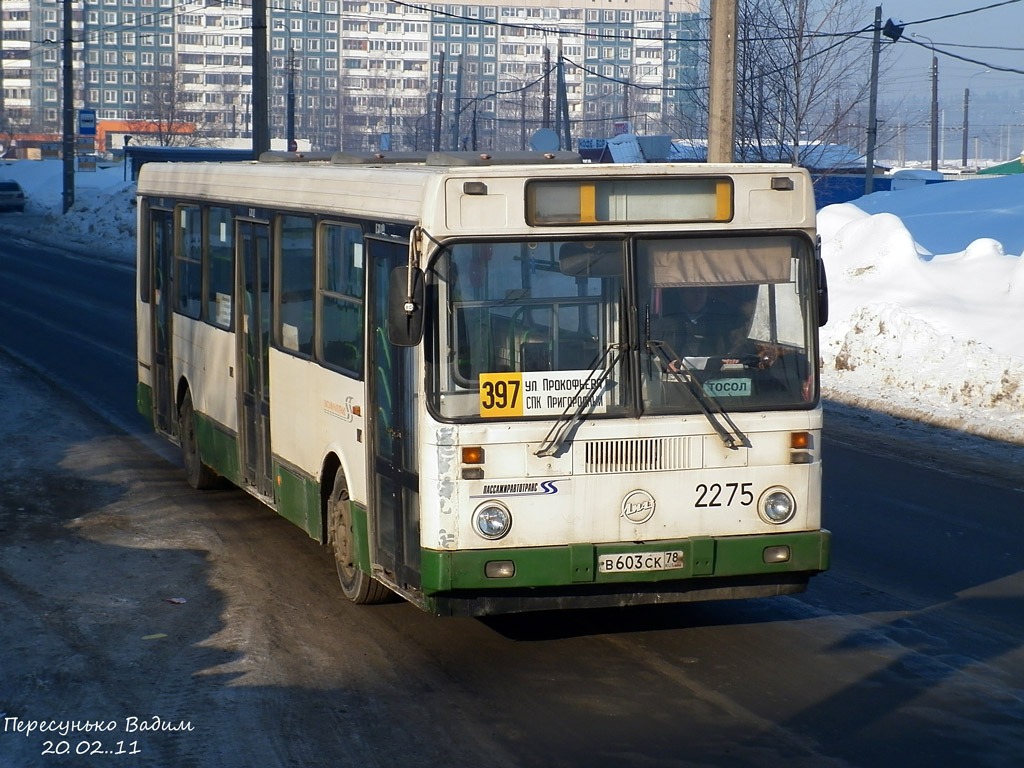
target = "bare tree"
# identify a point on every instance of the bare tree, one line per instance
(172, 115)
(802, 75)
(8, 131)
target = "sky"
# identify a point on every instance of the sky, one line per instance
(926, 289)
(985, 31)
(991, 26)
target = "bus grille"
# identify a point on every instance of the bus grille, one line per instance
(643, 455)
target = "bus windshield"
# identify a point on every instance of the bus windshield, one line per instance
(657, 325)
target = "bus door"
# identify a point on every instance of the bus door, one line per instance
(253, 339)
(161, 255)
(391, 388)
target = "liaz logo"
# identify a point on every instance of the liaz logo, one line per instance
(545, 488)
(638, 507)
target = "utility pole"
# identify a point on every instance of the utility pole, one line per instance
(935, 103)
(963, 147)
(522, 120)
(967, 99)
(547, 87)
(935, 110)
(722, 82)
(260, 76)
(876, 47)
(625, 101)
(68, 143)
(562, 103)
(290, 115)
(440, 103)
(456, 138)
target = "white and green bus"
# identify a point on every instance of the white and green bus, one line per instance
(460, 371)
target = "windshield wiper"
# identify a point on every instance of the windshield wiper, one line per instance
(593, 384)
(731, 435)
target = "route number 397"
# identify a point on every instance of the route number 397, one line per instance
(501, 394)
(724, 494)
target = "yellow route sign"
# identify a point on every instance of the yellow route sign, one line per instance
(501, 394)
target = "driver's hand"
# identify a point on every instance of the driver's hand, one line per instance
(767, 354)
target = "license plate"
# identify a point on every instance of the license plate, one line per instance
(634, 562)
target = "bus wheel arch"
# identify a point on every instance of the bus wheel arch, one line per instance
(357, 585)
(199, 474)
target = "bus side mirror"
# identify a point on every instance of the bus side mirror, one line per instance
(405, 307)
(822, 289)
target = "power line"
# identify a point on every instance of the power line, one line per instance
(988, 65)
(962, 13)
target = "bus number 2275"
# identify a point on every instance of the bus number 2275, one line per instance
(724, 494)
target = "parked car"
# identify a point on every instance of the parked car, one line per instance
(12, 196)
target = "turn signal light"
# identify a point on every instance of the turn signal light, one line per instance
(473, 455)
(800, 440)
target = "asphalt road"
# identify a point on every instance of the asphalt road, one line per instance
(199, 629)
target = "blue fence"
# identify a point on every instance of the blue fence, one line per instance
(834, 188)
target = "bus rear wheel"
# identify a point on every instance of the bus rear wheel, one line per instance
(357, 585)
(200, 476)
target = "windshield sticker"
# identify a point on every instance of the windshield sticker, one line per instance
(729, 387)
(548, 393)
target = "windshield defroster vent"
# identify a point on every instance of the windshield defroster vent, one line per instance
(641, 455)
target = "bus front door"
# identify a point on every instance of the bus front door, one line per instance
(391, 385)
(161, 253)
(253, 337)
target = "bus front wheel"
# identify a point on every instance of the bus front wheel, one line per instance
(357, 585)
(199, 475)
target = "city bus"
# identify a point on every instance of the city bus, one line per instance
(451, 369)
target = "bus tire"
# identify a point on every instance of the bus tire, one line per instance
(199, 475)
(357, 585)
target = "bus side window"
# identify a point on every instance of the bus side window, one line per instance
(341, 279)
(295, 260)
(219, 263)
(189, 261)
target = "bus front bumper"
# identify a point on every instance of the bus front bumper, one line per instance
(481, 582)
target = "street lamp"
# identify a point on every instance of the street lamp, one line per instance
(967, 101)
(935, 102)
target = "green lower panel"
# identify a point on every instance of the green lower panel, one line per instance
(218, 448)
(144, 401)
(700, 558)
(360, 536)
(298, 500)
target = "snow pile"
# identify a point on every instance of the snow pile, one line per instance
(933, 338)
(102, 217)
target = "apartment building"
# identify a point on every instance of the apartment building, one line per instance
(362, 74)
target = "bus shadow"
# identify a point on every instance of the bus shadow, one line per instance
(559, 625)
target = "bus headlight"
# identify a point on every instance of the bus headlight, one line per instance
(492, 520)
(777, 506)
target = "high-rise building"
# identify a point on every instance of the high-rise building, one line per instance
(361, 74)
